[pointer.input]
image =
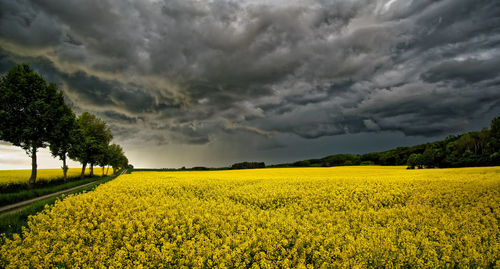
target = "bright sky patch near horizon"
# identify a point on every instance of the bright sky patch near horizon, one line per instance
(186, 83)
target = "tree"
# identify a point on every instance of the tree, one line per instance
(388, 158)
(28, 111)
(495, 128)
(95, 139)
(494, 142)
(124, 162)
(104, 158)
(429, 157)
(415, 159)
(412, 161)
(64, 135)
(419, 161)
(117, 158)
(248, 165)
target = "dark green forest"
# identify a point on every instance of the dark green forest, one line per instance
(480, 148)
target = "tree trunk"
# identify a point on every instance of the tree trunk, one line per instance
(91, 169)
(114, 171)
(31, 182)
(83, 170)
(107, 170)
(65, 169)
(102, 171)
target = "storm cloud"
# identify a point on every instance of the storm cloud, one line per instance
(193, 72)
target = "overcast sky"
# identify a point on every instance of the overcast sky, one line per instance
(184, 83)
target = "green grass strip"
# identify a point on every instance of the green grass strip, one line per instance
(14, 197)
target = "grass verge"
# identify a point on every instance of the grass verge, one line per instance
(13, 222)
(22, 195)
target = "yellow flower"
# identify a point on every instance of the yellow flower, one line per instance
(355, 217)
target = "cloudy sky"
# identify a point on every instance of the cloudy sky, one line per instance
(184, 83)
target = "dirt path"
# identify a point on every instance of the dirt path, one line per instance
(20, 205)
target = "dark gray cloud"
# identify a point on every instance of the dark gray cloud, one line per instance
(470, 70)
(193, 72)
(23, 23)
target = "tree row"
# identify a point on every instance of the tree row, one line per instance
(34, 115)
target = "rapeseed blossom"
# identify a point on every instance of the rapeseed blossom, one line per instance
(268, 218)
(22, 176)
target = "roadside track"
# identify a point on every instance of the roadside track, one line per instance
(20, 205)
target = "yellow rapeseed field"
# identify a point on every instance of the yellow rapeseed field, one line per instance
(269, 218)
(22, 176)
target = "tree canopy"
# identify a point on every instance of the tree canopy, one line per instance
(95, 138)
(480, 148)
(28, 111)
(116, 157)
(64, 135)
(33, 115)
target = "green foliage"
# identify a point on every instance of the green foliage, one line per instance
(495, 128)
(412, 160)
(116, 157)
(333, 160)
(28, 110)
(429, 157)
(33, 115)
(415, 160)
(105, 158)
(64, 135)
(248, 165)
(94, 141)
(200, 168)
(494, 142)
(302, 163)
(470, 149)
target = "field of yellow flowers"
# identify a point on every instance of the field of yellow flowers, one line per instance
(22, 176)
(268, 218)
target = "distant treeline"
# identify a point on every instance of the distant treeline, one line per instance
(195, 168)
(480, 148)
(243, 165)
(248, 165)
(34, 115)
